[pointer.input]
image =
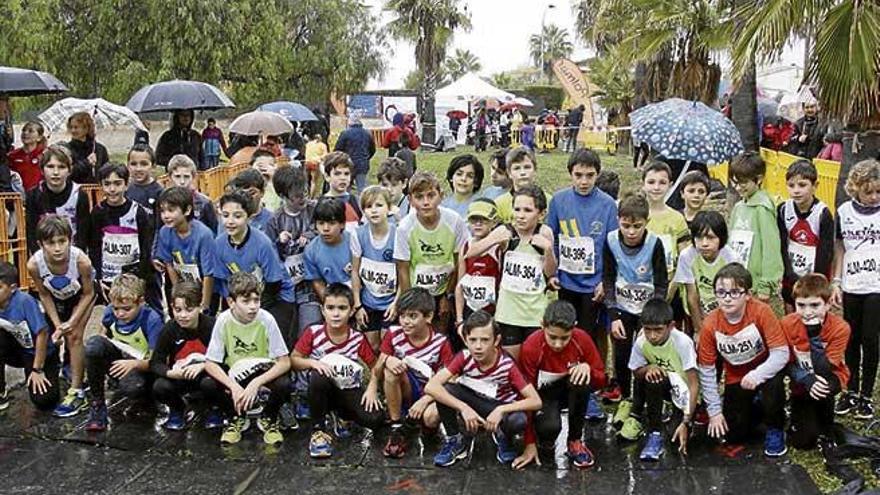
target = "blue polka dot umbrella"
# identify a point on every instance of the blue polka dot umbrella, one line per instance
(686, 130)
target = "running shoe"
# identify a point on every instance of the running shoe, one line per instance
(653, 449)
(213, 419)
(72, 404)
(581, 456)
(611, 393)
(287, 417)
(632, 429)
(303, 411)
(453, 449)
(623, 411)
(320, 445)
(505, 452)
(97, 417)
(594, 410)
(176, 420)
(5, 400)
(864, 409)
(846, 403)
(342, 428)
(271, 431)
(774, 443)
(232, 432)
(395, 448)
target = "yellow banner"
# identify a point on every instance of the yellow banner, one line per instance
(577, 87)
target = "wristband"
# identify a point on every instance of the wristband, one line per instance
(37, 370)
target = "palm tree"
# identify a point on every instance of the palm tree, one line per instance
(429, 25)
(551, 44)
(460, 63)
(502, 80)
(615, 82)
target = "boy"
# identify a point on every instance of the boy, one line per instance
(667, 224)
(489, 393)
(247, 357)
(64, 279)
(263, 161)
(754, 234)
(609, 183)
(130, 332)
(143, 188)
(478, 277)
(694, 191)
(500, 180)
(563, 363)
(747, 336)
(334, 353)
(327, 257)
(427, 245)
(179, 359)
(392, 176)
(410, 355)
(182, 170)
(316, 150)
(522, 169)
(25, 343)
(254, 185)
(634, 271)
(806, 229)
(339, 168)
(817, 341)
(664, 362)
(405, 153)
(213, 143)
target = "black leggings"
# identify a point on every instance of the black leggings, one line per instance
(622, 350)
(170, 392)
(738, 407)
(653, 395)
(217, 393)
(554, 397)
(100, 354)
(811, 418)
(587, 309)
(863, 314)
(12, 354)
(512, 423)
(325, 396)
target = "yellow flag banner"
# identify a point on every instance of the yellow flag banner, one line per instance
(577, 87)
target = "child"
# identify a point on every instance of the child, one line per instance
(56, 195)
(500, 180)
(427, 244)
(527, 135)
(184, 247)
(392, 176)
(609, 183)
(254, 185)
(338, 167)
(263, 161)
(373, 272)
(64, 278)
(465, 178)
(527, 262)
(406, 154)
(248, 358)
(411, 353)
(522, 169)
(805, 229)
(754, 236)
(667, 224)
(243, 249)
(698, 265)
(634, 271)
(327, 257)
(664, 363)
(562, 362)
(817, 341)
(182, 170)
(488, 392)
(130, 330)
(179, 359)
(213, 143)
(143, 188)
(694, 191)
(334, 353)
(857, 283)
(25, 343)
(478, 277)
(119, 235)
(745, 333)
(316, 150)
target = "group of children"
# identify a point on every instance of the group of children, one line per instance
(495, 313)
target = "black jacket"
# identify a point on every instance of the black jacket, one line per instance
(83, 171)
(179, 141)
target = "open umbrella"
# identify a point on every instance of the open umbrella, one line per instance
(686, 130)
(290, 110)
(791, 106)
(104, 113)
(27, 82)
(178, 95)
(260, 123)
(456, 114)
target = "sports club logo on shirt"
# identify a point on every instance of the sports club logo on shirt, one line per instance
(596, 228)
(430, 249)
(243, 348)
(642, 269)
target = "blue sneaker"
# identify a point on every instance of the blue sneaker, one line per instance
(213, 420)
(303, 411)
(176, 420)
(653, 449)
(774, 443)
(453, 449)
(505, 453)
(342, 428)
(594, 410)
(71, 404)
(97, 417)
(320, 445)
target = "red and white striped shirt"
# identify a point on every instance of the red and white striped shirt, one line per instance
(503, 378)
(435, 352)
(315, 343)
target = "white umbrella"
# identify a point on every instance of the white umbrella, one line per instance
(791, 106)
(104, 113)
(525, 102)
(260, 123)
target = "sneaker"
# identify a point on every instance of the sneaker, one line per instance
(395, 448)
(864, 409)
(774, 443)
(5, 400)
(176, 420)
(453, 449)
(505, 452)
(632, 429)
(214, 419)
(287, 417)
(271, 431)
(581, 456)
(623, 411)
(71, 405)
(653, 449)
(232, 432)
(594, 410)
(320, 445)
(342, 428)
(303, 411)
(97, 417)
(846, 403)
(611, 393)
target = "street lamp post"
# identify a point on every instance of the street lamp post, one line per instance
(543, 23)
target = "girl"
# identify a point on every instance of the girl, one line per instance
(373, 271)
(26, 160)
(478, 276)
(857, 283)
(465, 178)
(528, 261)
(88, 154)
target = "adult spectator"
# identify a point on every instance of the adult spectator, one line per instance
(88, 154)
(180, 139)
(575, 118)
(777, 135)
(809, 131)
(26, 159)
(358, 144)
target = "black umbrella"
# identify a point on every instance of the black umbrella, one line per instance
(26, 82)
(178, 95)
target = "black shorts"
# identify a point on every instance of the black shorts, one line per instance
(65, 308)
(375, 320)
(514, 334)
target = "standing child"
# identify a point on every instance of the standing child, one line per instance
(143, 188)
(327, 258)
(465, 178)
(522, 170)
(500, 180)
(857, 283)
(316, 150)
(182, 170)
(339, 168)
(666, 223)
(373, 272)
(694, 191)
(478, 277)
(263, 161)
(64, 278)
(392, 176)
(130, 330)
(754, 235)
(254, 185)
(213, 143)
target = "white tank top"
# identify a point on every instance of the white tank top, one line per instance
(62, 287)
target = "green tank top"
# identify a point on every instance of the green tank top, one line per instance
(521, 297)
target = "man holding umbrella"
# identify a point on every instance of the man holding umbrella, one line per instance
(180, 139)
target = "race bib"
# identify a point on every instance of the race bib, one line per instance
(347, 374)
(418, 366)
(379, 277)
(188, 271)
(546, 378)
(742, 347)
(679, 391)
(432, 277)
(118, 251)
(740, 242)
(860, 271)
(189, 360)
(803, 258)
(130, 351)
(296, 267)
(20, 331)
(632, 297)
(478, 291)
(668, 249)
(577, 255)
(482, 387)
(523, 273)
(804, 360)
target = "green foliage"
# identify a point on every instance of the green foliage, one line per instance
(552, 96)
(551, 44)
(615, 82)
(460, 63)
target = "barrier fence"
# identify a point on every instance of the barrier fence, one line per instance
(549, 138)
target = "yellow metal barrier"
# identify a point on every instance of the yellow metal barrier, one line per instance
(546, 138)
(516, 137)
(13, 237)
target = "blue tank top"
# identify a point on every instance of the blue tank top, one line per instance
(378, 271)
(635, 274)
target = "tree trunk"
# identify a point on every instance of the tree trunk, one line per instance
(640, 81)
(744, 109)
(429, 124)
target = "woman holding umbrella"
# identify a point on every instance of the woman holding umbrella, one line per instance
(88, 155)
(26, 159)
(180, 139)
